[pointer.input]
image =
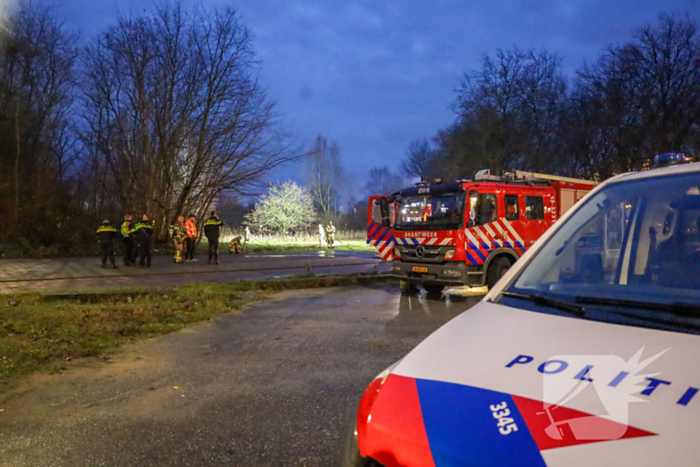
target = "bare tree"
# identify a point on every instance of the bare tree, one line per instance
(175, 114)
(325, 178)
(420, 159)
(508, 110)
(37, 147)
(640, 99)
(382, 181)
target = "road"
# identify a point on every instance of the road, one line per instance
(273, 386)
(27, 275)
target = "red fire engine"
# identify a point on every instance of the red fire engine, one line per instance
(468, 232)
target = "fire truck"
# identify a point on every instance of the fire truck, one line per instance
(467, 232)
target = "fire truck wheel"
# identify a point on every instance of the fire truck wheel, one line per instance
(433, 289)
(497, 269)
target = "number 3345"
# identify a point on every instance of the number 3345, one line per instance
(501, 412)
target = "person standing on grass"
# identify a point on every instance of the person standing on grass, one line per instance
(107, 235)
(212, 229)
(321, 235)
(330, 234)
(177, 234)
(128, 242)
(190, 238)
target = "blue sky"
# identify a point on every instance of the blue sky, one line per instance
(375, 75)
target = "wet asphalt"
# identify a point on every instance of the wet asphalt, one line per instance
(275, 385)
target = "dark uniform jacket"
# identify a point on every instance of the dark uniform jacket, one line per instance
(147, 226)
(212, 228)
(142, 231)
(107, 234)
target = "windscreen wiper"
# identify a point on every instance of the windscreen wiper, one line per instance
(680, 309)
(544, 300)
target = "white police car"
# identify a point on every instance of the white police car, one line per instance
(586, 353)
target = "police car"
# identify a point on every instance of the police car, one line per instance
(586, 353)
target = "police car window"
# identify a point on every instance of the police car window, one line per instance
(632, 243)
(534, 208)
(512, 209)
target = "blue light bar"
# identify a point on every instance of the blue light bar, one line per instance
(668, 159)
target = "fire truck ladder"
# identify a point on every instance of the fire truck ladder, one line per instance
(522, 175)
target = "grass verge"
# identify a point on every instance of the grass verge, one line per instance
(290, 246)
(43, 332)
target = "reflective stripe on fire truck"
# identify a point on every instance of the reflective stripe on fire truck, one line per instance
(425, 241)
(382, 238)
(481, 240)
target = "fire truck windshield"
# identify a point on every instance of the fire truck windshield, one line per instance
(437, 212)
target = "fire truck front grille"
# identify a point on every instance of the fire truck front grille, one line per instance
(430, 254)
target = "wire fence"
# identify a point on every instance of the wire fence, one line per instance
(289, 239)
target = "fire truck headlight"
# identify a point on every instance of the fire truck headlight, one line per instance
(397, 252)
(450, 254)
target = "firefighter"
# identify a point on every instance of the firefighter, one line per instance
(234, 246)
(212, 229)
(143, 231)
(330, 234)
(107, 235)
(190, 238)
(177, 234)
(127, 241)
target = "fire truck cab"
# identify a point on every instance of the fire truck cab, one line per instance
(467, 232)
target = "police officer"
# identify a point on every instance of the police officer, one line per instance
(177, 234)
(128, 242)
(107, 235)
(143, 231)
(212, 229)
(147, 224)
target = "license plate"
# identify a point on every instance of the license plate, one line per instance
(419, 269)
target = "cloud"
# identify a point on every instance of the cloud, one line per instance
(374, 75)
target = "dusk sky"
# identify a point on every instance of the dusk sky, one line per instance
(375, 75)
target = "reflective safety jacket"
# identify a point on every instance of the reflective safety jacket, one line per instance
(212, 227)
(191, 229)
(126, 229)
(106, 234)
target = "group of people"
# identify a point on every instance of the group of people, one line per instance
(135, 236)
(326, 234)
(184, 237)
(137, 240)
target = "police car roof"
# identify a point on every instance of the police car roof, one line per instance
(660, 172)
